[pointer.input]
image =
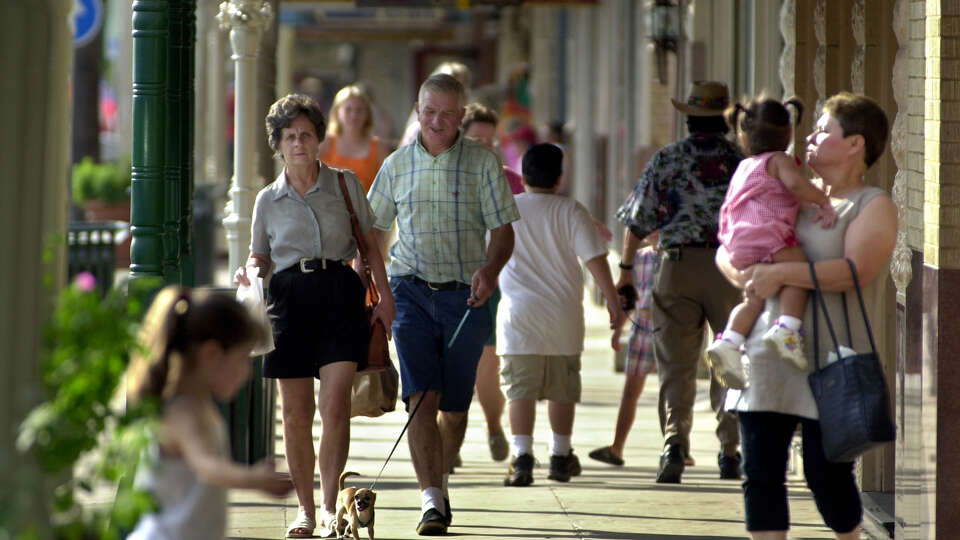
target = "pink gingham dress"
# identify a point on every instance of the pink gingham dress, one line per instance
(758, 214)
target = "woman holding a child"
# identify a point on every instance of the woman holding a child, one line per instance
(849, 137)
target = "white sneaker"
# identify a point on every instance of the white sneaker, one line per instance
(789, 343)
(724, 358)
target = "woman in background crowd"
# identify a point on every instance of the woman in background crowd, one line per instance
(350, 142)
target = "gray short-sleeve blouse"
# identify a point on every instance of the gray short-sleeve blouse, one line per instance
(288, 227)
(776, 385)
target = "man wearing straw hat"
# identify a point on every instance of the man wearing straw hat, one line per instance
(679, 194)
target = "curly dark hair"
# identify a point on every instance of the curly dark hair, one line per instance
(764, 122)
(285, 110)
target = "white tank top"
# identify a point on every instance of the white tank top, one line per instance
(189, 509)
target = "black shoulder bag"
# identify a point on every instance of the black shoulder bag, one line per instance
(851, 393)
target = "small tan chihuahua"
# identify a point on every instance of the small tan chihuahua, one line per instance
(354, 509)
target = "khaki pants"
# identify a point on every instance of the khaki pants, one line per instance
(688, 292)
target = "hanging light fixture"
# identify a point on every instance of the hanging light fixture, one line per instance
(663, 29)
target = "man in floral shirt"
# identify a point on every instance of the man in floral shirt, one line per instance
(679, 194)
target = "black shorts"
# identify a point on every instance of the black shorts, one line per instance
(318, 318)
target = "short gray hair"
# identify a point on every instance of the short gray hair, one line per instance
(442, 83)
(285, 110)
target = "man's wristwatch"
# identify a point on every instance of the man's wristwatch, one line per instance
(625, 266)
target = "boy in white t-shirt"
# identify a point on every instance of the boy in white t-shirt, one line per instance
(540, 319)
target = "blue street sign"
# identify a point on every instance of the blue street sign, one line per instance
(87, 19)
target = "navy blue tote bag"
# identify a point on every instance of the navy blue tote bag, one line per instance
(851, 393)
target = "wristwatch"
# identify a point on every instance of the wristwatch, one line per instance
(625, 266)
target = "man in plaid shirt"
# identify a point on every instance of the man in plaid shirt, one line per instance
(445, 193)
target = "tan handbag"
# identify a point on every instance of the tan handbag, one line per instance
(374, 392)
(378, 352)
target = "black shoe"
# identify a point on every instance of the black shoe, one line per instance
(449, 514)
(433, 523)
(575, 469)
(729, 466)
(563, 467)
(671, 465)
(520, 472)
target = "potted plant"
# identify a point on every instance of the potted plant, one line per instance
(103, 190)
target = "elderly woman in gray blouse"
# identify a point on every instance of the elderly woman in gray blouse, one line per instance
(301, 230)
(849, 137)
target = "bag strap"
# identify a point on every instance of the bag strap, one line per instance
(846, 318)
(863, 307)
(818, 298)
(361, 246)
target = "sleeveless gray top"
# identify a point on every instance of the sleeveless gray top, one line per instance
(189, 508)
(776, 385)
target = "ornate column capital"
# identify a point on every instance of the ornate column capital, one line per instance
(858, 25)
(246, 20)
(788, 30)
(900, 264)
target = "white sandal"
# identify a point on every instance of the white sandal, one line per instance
(328, 525)
(302, 523)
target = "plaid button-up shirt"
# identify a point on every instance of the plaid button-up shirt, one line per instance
(444, 206)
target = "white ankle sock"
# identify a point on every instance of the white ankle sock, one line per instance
(522, 444)
(733, 337)
(561, 445)
(792, 323)
(432, 497)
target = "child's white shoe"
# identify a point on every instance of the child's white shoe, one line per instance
(789, 343)
(724, 358)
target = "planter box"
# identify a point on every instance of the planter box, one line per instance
(95, 211)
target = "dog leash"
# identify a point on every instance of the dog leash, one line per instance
(402, 431)
(420, 401)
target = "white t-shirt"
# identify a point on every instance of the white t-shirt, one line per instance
(542, 285)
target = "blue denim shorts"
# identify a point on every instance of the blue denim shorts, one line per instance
(426, 320)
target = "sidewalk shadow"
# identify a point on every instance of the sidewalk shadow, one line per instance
(585, 534)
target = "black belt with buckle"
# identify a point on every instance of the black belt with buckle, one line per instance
(307, 266)
(673, 253)
(441, 286)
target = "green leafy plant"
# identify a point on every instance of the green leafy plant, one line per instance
(106, 182)
(88, 343)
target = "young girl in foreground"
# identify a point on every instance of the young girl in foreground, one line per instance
(756, 225)
(196, 348)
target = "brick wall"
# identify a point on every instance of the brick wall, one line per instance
(915, 128)
(941, 214)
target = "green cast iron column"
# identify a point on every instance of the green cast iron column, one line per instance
(172, 152)
(187, 124)
(164, 33)
(151, 27)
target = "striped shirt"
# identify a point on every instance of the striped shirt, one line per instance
(444, 206)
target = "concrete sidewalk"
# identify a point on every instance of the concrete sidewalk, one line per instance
(604, 503)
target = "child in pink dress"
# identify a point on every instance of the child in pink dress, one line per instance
(756, 226)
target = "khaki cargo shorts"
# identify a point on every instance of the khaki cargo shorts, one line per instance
(532, 376)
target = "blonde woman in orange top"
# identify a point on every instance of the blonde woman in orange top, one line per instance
(350, 143)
